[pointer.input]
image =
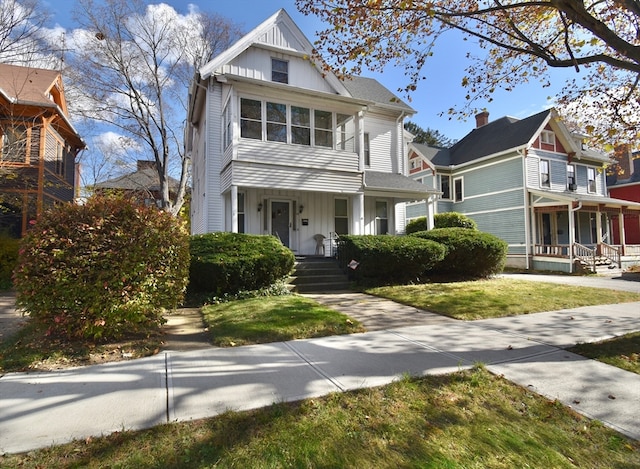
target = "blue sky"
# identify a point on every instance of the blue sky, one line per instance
(440, 91)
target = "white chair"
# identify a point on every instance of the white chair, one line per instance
(319, 239)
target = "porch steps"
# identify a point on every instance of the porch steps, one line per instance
(603, 266)
(314, 274)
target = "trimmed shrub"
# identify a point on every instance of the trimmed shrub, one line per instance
(415, 225)
(470, 253)
(8, 259)
(453, 220)
(385, 259)
(103, 269)
(227, 263)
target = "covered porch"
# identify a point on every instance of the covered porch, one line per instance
(573, 231)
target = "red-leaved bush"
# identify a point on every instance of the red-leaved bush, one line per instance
(103, 269)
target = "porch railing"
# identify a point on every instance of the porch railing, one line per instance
(552, 250)
(585, 254)
(610, 252)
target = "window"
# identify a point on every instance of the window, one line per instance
(276, 122)
(591, 179)
(226, 127)
(251, 119)
(300, 125)
(241, 212)
(571, 177)
(59, 163)
(458, 190)
(345, 132)
(14, 144)
(279, 71)
(545, 180)
(548, 137)
(323, 129)
(382, 219)
(445, 187)
(341, 216)
(367, 151)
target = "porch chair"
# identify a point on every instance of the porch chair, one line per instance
(319, 239)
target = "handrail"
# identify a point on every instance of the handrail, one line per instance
(585, 254)
(610, 252)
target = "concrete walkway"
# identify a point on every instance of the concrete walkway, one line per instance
(41, 409)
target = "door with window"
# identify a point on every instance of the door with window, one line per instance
(281, 221)
(382, 217)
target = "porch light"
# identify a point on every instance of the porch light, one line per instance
(260, 207)
(301, 208)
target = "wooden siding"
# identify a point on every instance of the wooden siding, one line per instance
(255, 63)
(491, 201)
(484, 179)
(508, 225)
(276, 153)
(558, 174)
(289, 178)
(215, 209)
(381, 143)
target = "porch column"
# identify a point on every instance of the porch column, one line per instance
(623, 241)
(572, 234)
(429, 205)
(358, 214)
(599, 226)
(234, 209)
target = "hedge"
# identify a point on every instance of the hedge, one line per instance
(103, 269)
(227, 263)
(441, 220)
(470, 253)
(385, 259)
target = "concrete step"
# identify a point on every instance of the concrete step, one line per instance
(317, 274)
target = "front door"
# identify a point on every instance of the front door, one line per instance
(281, 222)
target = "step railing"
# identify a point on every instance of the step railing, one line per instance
(586, 255)
(610, 252)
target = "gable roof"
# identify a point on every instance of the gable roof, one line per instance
(145, 179)
(503, 135)
(27, 85)
(293, 41)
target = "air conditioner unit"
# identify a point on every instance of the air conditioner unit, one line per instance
(573, 187)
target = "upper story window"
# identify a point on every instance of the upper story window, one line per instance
(277, 122)
(279, 71)
(226, 126)
(251, 118)
(445, 186)
(458, 190)
(367, 150)
(545, 179)
(13, 146)
(323, 129)
(548, 137)
(571, 177)
(591, 179)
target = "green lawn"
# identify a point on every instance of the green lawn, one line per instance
(470, 419)
(623, 352)
(498, 297)
(274, 319)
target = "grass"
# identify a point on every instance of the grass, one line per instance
(622, 352)
(274, 319)
(470, 419)
(498, 297)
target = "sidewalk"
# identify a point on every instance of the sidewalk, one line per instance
(41, 409)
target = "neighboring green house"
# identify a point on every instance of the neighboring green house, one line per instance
(534, 184)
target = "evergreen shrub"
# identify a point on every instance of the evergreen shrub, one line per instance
(102, 270)
(384, 259)
(227, 263)
(453, 220)
(470, 253)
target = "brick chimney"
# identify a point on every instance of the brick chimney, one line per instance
(482, 118)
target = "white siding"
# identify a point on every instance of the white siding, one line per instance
(215, 208)
(381, 140)
(256, 63)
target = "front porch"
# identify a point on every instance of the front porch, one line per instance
(573, 232)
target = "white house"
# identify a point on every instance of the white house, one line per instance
(280, 146)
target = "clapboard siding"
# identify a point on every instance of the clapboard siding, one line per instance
(558, 174)
(505, 175)
(255, 63)
(508, 225)
(215, 209)
(381, 143)
(296, 155)
(246, 174)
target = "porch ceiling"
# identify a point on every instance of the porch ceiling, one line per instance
(395, 185)
(547, 198)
